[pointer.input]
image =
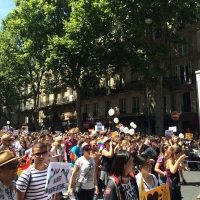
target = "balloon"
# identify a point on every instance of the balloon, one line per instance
(8, 122)
(134, 126)
(111, 112)
(121, 128)
(116, 120)
(126, 129)
(181, 135)
(131, 131)
(131, 124)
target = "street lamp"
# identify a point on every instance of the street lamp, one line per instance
(148, 21)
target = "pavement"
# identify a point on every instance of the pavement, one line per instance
(189, 191)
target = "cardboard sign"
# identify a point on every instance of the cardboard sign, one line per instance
(58, 175)
(189, 135)
(173, 128)
(158, 193)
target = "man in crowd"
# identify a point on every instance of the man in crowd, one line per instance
(69, 143)
(8, 172)
(31, 183)
(6, 142)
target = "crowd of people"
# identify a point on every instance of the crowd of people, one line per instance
(115, 165)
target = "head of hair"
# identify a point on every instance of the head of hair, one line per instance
(39, 145)
(173, 150)
(120, 159)
(80, 142)
(163, 148)
(140, 160)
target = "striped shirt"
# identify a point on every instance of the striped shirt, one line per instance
(36, 189)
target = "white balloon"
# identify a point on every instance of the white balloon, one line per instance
(131, 131)
(121, 128)
(181, 135)
(126, 129)
(8, 122)
(132, 124)
(111, 112)
(116, 120)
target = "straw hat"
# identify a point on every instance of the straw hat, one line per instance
(6, 157)
(59, 138)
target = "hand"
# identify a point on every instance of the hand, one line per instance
(96, 190)
(182, 158)
(69, 191)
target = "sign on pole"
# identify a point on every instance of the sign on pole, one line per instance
(175, 115)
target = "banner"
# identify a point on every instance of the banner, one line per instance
(58, 175)
(142, 190)
(161, 192)
(168, 133)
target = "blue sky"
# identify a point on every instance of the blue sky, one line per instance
(6, 7)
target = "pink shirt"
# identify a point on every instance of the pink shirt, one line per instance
(69, 143)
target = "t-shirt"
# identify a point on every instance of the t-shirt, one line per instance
(151, 152)
(86, 172)
(146, 187)
(129, 191)
(5, 192)
(55, 151)
(75, 153)
(161, 160)
(36, 189)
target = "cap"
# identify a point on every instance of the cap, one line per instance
(84, 145)
(105, 139)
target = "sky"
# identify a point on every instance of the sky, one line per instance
(6, 7)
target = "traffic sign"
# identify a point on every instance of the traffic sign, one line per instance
(86, 124)
(175, 115)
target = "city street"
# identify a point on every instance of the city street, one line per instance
(190, 191)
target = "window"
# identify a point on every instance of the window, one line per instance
(122, 106)
(107, 106)
(135, 104)
(95, 109)
(186, 102)
(184, 74)
(182, 48)
(165, 104)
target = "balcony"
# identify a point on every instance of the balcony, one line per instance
(184, 80)
(92, 93)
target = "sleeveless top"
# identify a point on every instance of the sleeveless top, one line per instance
(106, 163)
(172, 176)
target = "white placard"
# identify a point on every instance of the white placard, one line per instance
(168, 132)
(173, 128)
(58, 175)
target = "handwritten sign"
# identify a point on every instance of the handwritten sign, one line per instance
(189, 135)
(158, 193)
(58, 175)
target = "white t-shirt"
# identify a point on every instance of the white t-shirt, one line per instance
(17, 145)
(86, 172)
(55, 151)
(146, 187)
(36, 189)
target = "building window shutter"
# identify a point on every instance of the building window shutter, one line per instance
(193, 101)
(168, 103)
(178, 102)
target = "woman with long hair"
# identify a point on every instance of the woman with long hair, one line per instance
(160, 164)
(144, 166)
(84, 170)
(174, 162)
(121, 183)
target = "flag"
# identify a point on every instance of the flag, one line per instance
(142, 190)
(25, 166)
(108, 132)
(73, 157)
(100, 143)
(114, 133)
(90, 129)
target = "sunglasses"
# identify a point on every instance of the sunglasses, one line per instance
(94, 145)
(87, 149)
(8, 140)
(40, 154)
(13, 165)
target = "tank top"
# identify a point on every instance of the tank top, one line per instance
(172, 176)
(106, 163)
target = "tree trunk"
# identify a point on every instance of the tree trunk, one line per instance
(159, 114)
(78, 108)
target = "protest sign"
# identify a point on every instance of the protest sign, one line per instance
(189, 135)
(58, 175)
(161, 192)
(168, 132)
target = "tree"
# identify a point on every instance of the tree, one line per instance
(144, 52)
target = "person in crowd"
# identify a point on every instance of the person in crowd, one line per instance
(106, 159)
(49, 153)
(8, 173)
(87, 139)
(57, 152)
(133, 148)
(95, 154)
(17, 143)
(69, 143)
(122, 183)
(160, 164)
(76, 152)
(22, 149)
(174, 162)
(144, 145)
(84, 168)
(145, 166)
(36, 173)
(6, 142)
